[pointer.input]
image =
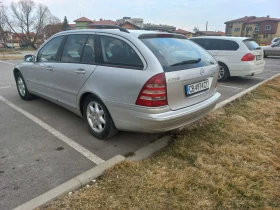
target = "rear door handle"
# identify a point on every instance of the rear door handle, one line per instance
(80, 71)
(49, 68)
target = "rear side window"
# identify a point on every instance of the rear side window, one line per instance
(208, 44)
(118, 53)
(228, 45)
(176, 54)
(217, 44)
(251, 44)
(88, 52)
(73, 48)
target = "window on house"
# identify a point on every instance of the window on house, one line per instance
(249, 28)
(237, 29)
(265, 36)
(268, 27)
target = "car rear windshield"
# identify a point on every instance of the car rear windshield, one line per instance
(176, 54)
(251, 44)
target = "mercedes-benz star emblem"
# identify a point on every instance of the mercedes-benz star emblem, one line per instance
(201, 71)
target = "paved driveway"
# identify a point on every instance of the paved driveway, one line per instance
(43, 145)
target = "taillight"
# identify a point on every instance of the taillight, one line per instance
(153, 93)
(248, 57)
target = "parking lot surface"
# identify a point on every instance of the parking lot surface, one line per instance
(43, 145)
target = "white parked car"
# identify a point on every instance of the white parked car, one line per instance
(273, 49)
(237, 56)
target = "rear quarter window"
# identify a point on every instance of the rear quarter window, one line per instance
(251, 44)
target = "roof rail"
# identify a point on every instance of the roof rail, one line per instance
(108, 27)
(158, 29)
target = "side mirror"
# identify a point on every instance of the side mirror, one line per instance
(273, 45)
(28, 58)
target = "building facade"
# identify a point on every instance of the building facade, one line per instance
(159, 26)
(139, 22)
(209, 33)
(185, 33)
(262, 29)
(236, 27)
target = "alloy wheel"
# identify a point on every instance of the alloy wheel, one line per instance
(96, 117)
(221, 72)
(21, 86)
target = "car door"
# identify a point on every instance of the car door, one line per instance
(228, 52)
(275, 50)
(40, 74)
(76, 65)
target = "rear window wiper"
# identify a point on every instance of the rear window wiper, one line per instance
(186, 62)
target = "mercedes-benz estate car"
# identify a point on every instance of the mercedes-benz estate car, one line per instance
(237, 56)
(136, 80)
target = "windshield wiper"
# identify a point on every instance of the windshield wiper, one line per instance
(186, 62)
(257, 48)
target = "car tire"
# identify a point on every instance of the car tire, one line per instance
(22, 88)
(98, 118)
(223, 72)
(264, 54)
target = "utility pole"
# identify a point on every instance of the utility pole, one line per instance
(206, 25)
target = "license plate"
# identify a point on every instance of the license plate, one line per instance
(259, 57)
(198, 87)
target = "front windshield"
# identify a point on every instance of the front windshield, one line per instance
(173, 51)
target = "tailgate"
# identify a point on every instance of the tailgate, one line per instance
(255, 49)
(191, 86)
(259, 56)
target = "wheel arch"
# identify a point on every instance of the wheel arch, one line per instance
(226, 66)
(82, 100)
(16, 70)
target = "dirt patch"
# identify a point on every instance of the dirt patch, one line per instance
(228, 160)
(18, 57)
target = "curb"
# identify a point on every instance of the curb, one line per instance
(148, 150)
(244, 92)
(159, 144)
(71, 185)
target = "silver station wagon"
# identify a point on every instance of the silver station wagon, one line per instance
(137, 80)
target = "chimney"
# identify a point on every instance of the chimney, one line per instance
(101, 19)
(245, 16)
(268, 16)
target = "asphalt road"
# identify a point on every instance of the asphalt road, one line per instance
(43, 145)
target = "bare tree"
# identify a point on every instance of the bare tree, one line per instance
(3, 25)
(29, 19)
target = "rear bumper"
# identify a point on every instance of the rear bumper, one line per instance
(132, 120)
(245, 68)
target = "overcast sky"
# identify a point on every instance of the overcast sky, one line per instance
(183, 14)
